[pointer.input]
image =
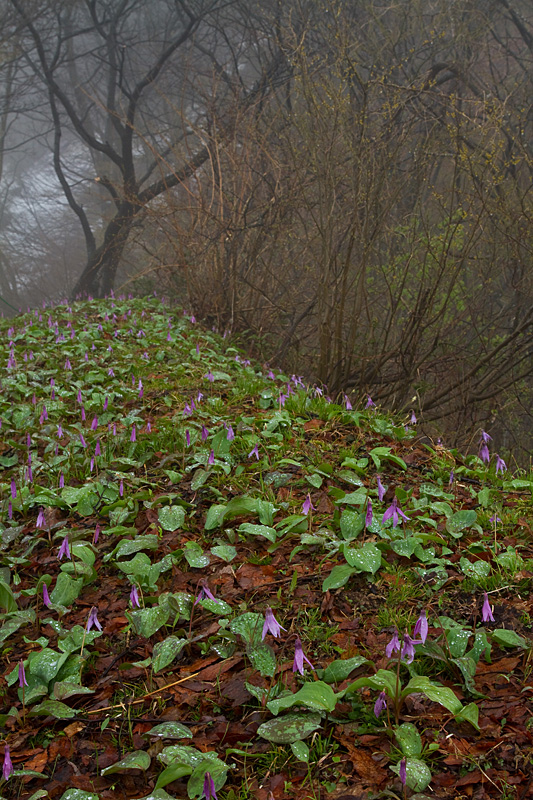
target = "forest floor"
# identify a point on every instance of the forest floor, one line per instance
(165, 504)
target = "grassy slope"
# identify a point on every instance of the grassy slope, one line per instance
(174, 518)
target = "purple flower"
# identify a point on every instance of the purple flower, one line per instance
(501, 466)
(408, 649)
(393, 646)
(106, 403)
(299, 657)
(495, 518)
(133, 436)
(380, 704)
(307, 505)
(64, 550)
(96, 534)
(82, 440)
(205, 592)
(22, 675)
(209, 787)
(134, 597)
(230, 435)
(46, 596)
(421, 627)
(369, 515)
(413, 418)
(381, 489)
(59, 432)
(347, 403)
(205, 433)
(370, 403)
(98, 448)
(254, 452)
(484, 453)
(121, 489)
(188, 437)
(271, 624)
(486, 611)
(41, 521)
(394, 511)
(403, 771)
(7, 768)
(93, 619)
(485, 437)
(94, 423)
(61, 481)
(211, 459)
(451, 478)
(210, 377)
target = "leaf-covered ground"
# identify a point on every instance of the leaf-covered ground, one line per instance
(158, 485)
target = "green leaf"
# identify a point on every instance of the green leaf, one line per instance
(172, 773)
(258, 530)
(65, 689)
(339, 670)
(418, 774)
(383, 680)
(216, 606)
(224, 551)
(138, 759)
(147, 621)
(300, 751)
(317, 696)
(166, 651)
(158, 794)
(249, 626)
(353, 498)
(54, 708)
(366, 558)
(436, 693)
(477, 570)
(128, 546)
(171, 518)
(185, 754)
(262, 659)
(66, 590)
(456, 524)
(339, 576)
(7, 598)
(507, 638)
(216, 768)
(469, 713)
(78, 794)
(198, 479)
(215, 517)
(46, 664)
(351, 524)
(457, 639)
(170, 730)
(290, 728)
(195, 556)
(408, 739)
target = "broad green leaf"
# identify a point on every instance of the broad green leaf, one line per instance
(249, 626)
(469, 713)
(434, 692)
(258, 530)
(318, 696)
(65, 689)
(78, 794)
(339, 670)
(339, 576)
(224, 551)
(216, 606)
(7, 598)
(262, 659)
(383, 680)
(351, 523)
(158, 794)
(353, 498)
(66, 590)
(418, 774)
(173, 772)
(185, 754)
(456, 524)
(147, 621)
(128, 546)
(300, 751)
(198, 479)
(166, 651)
(138, 759)
(215, 517)
(54, 708)
(216, 768)
(507, 638)
(457, 639)
(477, 570)
(170, 730)
(289, 728)
(408, 739)
(171, 518)
(195, 556)
(46, 664)
(366, 558)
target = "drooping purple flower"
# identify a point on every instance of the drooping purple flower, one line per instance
(451, 478)
(210, 377)
(393, 646)
(307, 505)
(495, 518)
(91, 464)
(485, 437)
(64, 550)
(148, 427)
(141, 389)
(271, 624)
(209, 785)
(59, 432)
(96, 534)
(22, 675)
(299, 657)
(381, 489)
(501, 466)
(380, 704)
(205, 592)
(369, 517)
(369, 402)
(486, 611)
(68, 365)
(82, 440)
(484, 453)
(61, 481)
(94, 423)
(205, 434)
(93, 619)
(403, 771)
(133, 436)
(121, 488)
(347, 403)
(394, 512)
(421, 627)
(188, 437)
(46, 596)
(254, 452)
(106, 403)
(41, 521)
(408, 649)
(83, 414)
(78, 396)
(230, 436)
(7, 768)
(134, 597)
(13, 489)
(98, 448)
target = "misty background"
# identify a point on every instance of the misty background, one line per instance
(346, 185)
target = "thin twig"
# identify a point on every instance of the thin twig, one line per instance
(143, 698)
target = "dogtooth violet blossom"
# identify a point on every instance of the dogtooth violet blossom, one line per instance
(370, 403)
(307, 505)
(208, 790)
(484, 453)
(93, 619)
(205, 592)
(403, 771)
(486, 611)
(64, 550)
(408, 649)
(394, 512)
(22, 675)
(393, 646)
(254, 452)
(501, 466)
(421, 627)
(211, 459)
(369, 516)
(299, 657)
(381, 489)
(46, 596)
(380, 704)
(134, 597)
(271, 624)
(7, 767)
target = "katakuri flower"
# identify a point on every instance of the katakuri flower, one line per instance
(254, 452)
(7, 768)
(484, 453)
(394, 512)
(408, 649)
(41, 520)
(403, 771)
(211, 459)
(393, 646)
(271, 624)
(209, 787)
(134, 597)
(133, 436)
(205, 592)
(485, 437)
(501, 466)
(299, 657)
(46, 596)
(380, 704)
(486, 611)
(307, 505)
(205, 433)
(64, 550)
(369, 517)
(370, 403)
(93, 619)
(381, 489)
(421, 627)
(22, 675)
